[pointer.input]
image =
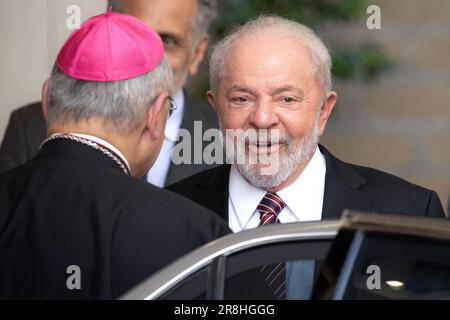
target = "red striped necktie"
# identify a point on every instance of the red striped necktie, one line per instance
(269, 207)
(274, 275)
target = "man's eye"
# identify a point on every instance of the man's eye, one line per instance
(168, 41)
(239, 99)
(287, 100)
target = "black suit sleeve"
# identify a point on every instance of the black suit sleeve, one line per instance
(435, 208)
(13, 151)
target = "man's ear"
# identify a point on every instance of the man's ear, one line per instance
(157, 115)
(199, 53)
(326, 109)
(45, 98)
(211, 99)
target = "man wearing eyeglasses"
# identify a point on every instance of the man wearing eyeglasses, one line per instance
(182, 26)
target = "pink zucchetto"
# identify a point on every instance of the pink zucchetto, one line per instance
(110, 47)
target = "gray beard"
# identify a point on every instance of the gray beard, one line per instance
(291, 158)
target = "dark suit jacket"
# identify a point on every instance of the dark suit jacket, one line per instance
(72, 205)
(26, 130)
(347, 186)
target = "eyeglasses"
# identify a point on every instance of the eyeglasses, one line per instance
(172, 107)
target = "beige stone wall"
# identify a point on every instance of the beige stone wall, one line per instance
(400, 123)
(31, 33)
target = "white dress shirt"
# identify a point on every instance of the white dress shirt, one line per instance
(303, 198)
(158, 173)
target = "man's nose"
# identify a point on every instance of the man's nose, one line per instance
(264, 116)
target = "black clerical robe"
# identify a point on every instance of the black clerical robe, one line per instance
(71, 214)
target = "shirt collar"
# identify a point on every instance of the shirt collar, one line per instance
(174, 122)
(102, 142)
(246, 197)
(306, 192)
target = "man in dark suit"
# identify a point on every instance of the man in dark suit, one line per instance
(271, 87)
(182, 25)
(75, 222)
(287, 95)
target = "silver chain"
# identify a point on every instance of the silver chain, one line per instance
(91, 144)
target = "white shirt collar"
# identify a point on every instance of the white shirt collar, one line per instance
(174, 122)
(305, 192)
(103, 143)
(244, 196)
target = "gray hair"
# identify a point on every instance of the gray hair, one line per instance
(206, 13)
(281, 27)
(120, 103)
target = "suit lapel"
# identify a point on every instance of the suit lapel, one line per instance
(214, 190)
(342, 188)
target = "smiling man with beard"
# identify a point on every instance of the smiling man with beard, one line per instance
(271, 87)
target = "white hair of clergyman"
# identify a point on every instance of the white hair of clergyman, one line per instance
(123, 104)
(206, 13)
(280, 27)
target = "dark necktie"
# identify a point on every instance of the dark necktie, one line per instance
(274, 275)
